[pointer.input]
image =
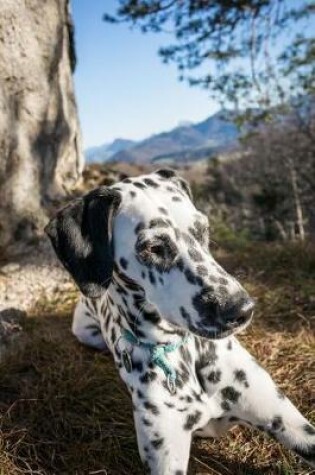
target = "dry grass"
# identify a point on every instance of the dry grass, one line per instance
(65, 411)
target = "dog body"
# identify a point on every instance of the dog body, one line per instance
(168, 313)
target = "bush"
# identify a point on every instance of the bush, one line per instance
(225, 236)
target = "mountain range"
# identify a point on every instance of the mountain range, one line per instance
(185, 143)
(104, 152)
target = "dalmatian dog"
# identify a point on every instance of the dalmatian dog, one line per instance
(168, 312)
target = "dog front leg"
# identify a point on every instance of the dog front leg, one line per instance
(254, 398)
(164, 444)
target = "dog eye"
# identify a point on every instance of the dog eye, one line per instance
(160, 252)
(158, 249)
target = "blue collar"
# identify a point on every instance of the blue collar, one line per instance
(158, 355)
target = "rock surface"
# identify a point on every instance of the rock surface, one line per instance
(33, 276)
(40, 142)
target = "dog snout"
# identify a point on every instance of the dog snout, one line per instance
(238, 314)
(228, 313)
(247, 308)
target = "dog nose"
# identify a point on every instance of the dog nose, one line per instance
(240, 313)
(245, 311)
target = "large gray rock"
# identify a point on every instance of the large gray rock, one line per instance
(40, 142)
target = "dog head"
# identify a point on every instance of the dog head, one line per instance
(149, 228)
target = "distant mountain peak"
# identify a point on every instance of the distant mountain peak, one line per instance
(184, 123)
(186, 142)
(105, 152)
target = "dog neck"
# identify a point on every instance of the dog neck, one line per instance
(134, 313)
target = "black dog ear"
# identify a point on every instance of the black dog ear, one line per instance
(81, 234)
(170, 174)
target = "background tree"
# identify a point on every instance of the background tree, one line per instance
(40, 145)
(267, 188)
(259, 57)
(247, 53)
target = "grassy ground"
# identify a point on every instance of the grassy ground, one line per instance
(65, 411)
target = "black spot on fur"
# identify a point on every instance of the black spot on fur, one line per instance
(205, 304)
(206, 355)
(150, 182)
(197, 396)
(202, 270)
(190, 276)
(133, 194)
(146, 422)
(152, 278)
(199, 281)
(199, 231)
(148, 377)
(192, 420)
(169, 404)
(230, 394)
(280, 394)
(188, 239)
(140, 394)
(185, 354)
(157, 443)
(186, 316)
(309, 429)
(94, 329)
(229, 345)
(139, 227)
(241, 377)
(277, 424)
(163, 210)
(151, 407)
(214, 377)
(138, 184)
(137, 366)
(180, 264)
(113, 335)
(222, 291)
(225, 406)
(123, 262)
(152, 317)
(138, 301)
(195, 255)
(166, 173)
(158, 222)
(184, 373)
(176, 198)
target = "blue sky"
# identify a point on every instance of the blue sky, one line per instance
(122, 87)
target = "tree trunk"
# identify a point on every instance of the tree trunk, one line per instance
(40, 142)
(297, 204)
